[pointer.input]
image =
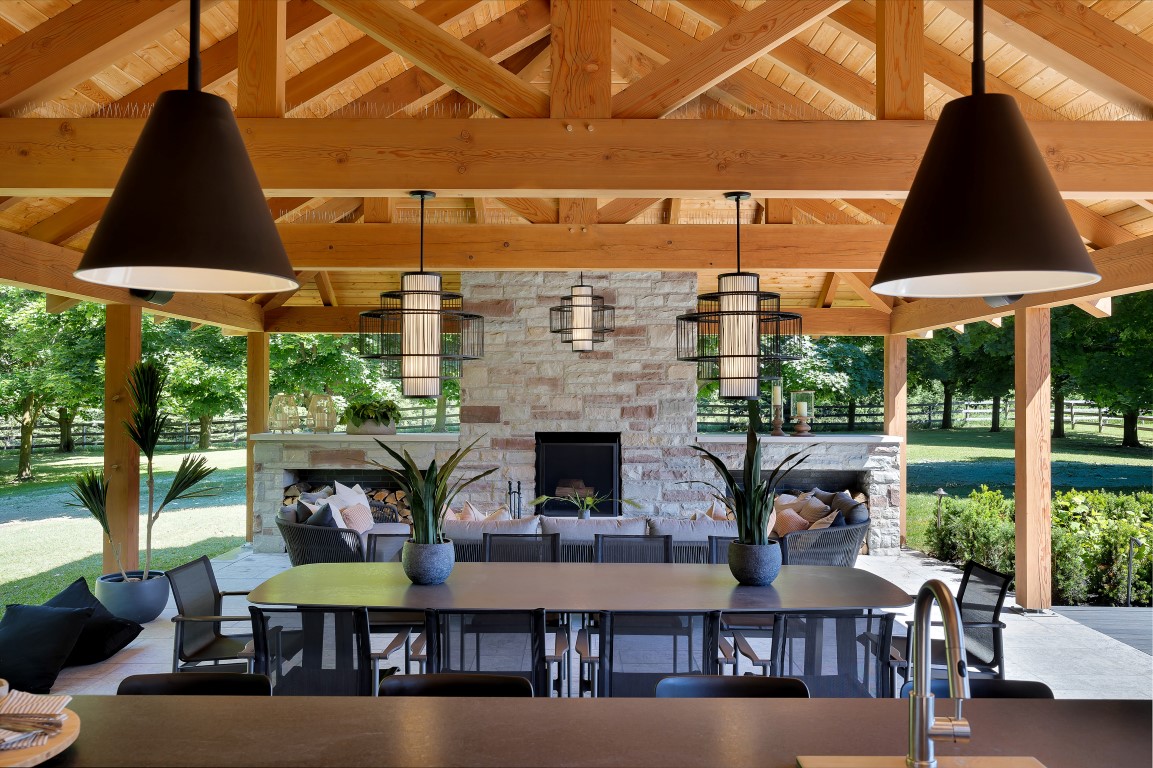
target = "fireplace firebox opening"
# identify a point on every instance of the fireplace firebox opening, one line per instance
(578, 463)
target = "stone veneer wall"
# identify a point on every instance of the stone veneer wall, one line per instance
(530, 381)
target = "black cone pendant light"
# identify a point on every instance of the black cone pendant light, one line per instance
(983, 216)
(188, 213)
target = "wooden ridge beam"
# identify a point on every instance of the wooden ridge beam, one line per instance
(1124, 268)
(822, 322)
(613, 247)
(830, 159)
(28, 263)
(444, 56)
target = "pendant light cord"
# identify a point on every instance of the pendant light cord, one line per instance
(422, 233)
(738, 199)
(194, 45)
(978, 47)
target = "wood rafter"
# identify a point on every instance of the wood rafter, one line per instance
(881, 211)
(269, 301)
(54, 305)
(70, 221)
(260, 59)
(533, 210)
(444, 56)
(324, 288)
(642, 158)
(859, 284)
(623, 210)
(828, 292)
(1102, 307)
(1095, 228)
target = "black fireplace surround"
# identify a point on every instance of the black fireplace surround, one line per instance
(583, 462)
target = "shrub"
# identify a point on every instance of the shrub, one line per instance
(978, 528)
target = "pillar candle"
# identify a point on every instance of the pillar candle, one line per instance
(776, 394)
(802, 408)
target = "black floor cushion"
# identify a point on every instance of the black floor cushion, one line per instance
(103, 635)
(34, 642)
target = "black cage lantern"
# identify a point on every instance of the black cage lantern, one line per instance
(738, 334)
(421, 334)
(583, 318)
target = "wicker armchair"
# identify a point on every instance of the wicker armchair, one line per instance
(825, 546)
(316, 544)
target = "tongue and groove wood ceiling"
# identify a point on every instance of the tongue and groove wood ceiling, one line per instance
(593, 134)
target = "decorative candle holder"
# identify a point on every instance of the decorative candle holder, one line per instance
(778, 421)
(321, 413)
(283, 415)
(802, 410)
(802, 427)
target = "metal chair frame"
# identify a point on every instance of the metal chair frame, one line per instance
(203, 620)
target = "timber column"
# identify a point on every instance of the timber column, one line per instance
(121, 456)
(1033, 497)
(257, 414)
(897, 407)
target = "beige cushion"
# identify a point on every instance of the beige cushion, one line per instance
(825, 521)
(812, 509)
(718, 511)
(786, 500)
(572, 529)
(697, 529)
(788, 522)
(471, 512)
(358, 517)
(468, 530)
(353, 495)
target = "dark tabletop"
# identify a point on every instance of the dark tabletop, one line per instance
(579, 587)
(767, 733)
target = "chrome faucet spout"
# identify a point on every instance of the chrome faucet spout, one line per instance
(924, 727)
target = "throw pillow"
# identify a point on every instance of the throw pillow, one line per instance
(470, 514)
(718, 511)
(788, 522)
(824, 496)
(813, 509)
(349, 496)
(824, 522)
(500, 513)
(838, 521)
(323, 518)
(35, 641)
(103, 634)
(358, 517)
(785, 500)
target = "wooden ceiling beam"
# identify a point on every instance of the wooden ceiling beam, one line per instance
(1102, 307)
(831, 159)
(1078, 42)
(70, 221)
(699, 67)
(901, 61)
(794, 55)
(824, 211)
(324, 288)
(444, 56)
(822, 322)
(260, 59)
(1124, 268)
(534, 210)
(38, 266)
(859, 284)
(1098, 230)
(881, 211)
(615, 247)
(948, 71)
(54, 304)
(625, 209)
(828, 293)
(269, 301)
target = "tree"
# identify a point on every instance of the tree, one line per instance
(206, 374)
(1109, 359)
(49, 361)
(935, 361)
(984, 364)
(843, 369)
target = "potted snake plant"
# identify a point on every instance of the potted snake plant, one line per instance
(428, 557)
(754, 558)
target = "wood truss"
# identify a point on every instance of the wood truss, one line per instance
(574, 134)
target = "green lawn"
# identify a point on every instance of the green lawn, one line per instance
(48, 544)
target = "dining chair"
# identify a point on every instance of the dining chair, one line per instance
(199, 615)
(731, 687)
(634, 655)
(988, 688)
(451, 684)
(198, 684)
(521, 547)
(618, 548)
(492, 642)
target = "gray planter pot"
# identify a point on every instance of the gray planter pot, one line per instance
(139, 601)
(754, 565)
(371, 428)
(427, 564)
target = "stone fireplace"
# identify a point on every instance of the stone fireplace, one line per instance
(579, 464)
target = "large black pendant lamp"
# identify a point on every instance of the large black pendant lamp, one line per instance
(420, 334)
(188, 213)
(738, 336)
(983, 216)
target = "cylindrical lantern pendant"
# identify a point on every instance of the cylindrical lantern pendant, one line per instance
(420, 334)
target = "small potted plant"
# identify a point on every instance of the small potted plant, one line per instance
(585, 504)
(428, 557)
(371, 417)
(140, 595)
(754, 558)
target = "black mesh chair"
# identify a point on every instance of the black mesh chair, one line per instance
(615, 548)
(199, 614)
(492, 642)
(731, 687)
(988, 688)
(448, 684)
(825, 546)
(719, 550)
(522, 547)
(199, 684)
(386, 547)
(314, 651)
(309, 544)
(981, 597)
(638, 649)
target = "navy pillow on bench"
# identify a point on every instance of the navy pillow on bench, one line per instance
(34, 642)
(103, 635)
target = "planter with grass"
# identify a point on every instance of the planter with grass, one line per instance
(372, 417)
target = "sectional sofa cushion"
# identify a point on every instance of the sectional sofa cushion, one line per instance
(572, 529)
(697, 529)
(467, 530)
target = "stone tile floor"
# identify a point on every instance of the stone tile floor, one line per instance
(1074, 660)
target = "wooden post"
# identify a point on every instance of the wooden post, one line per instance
(1033, 494)
(257, 414)
(900, 60)
(896, 405)
(121, 456)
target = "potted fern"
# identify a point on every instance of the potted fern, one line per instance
(428, 557)
(372, 417)
(140, 595)
(754, 558)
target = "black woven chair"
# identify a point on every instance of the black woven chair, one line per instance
(825, 546)
(731, 687)
(449, 684)
(988, 688)
(314, 651)
(199, 613)
(309, 544)
(522, 547)
(615, 548)
(199, 684)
